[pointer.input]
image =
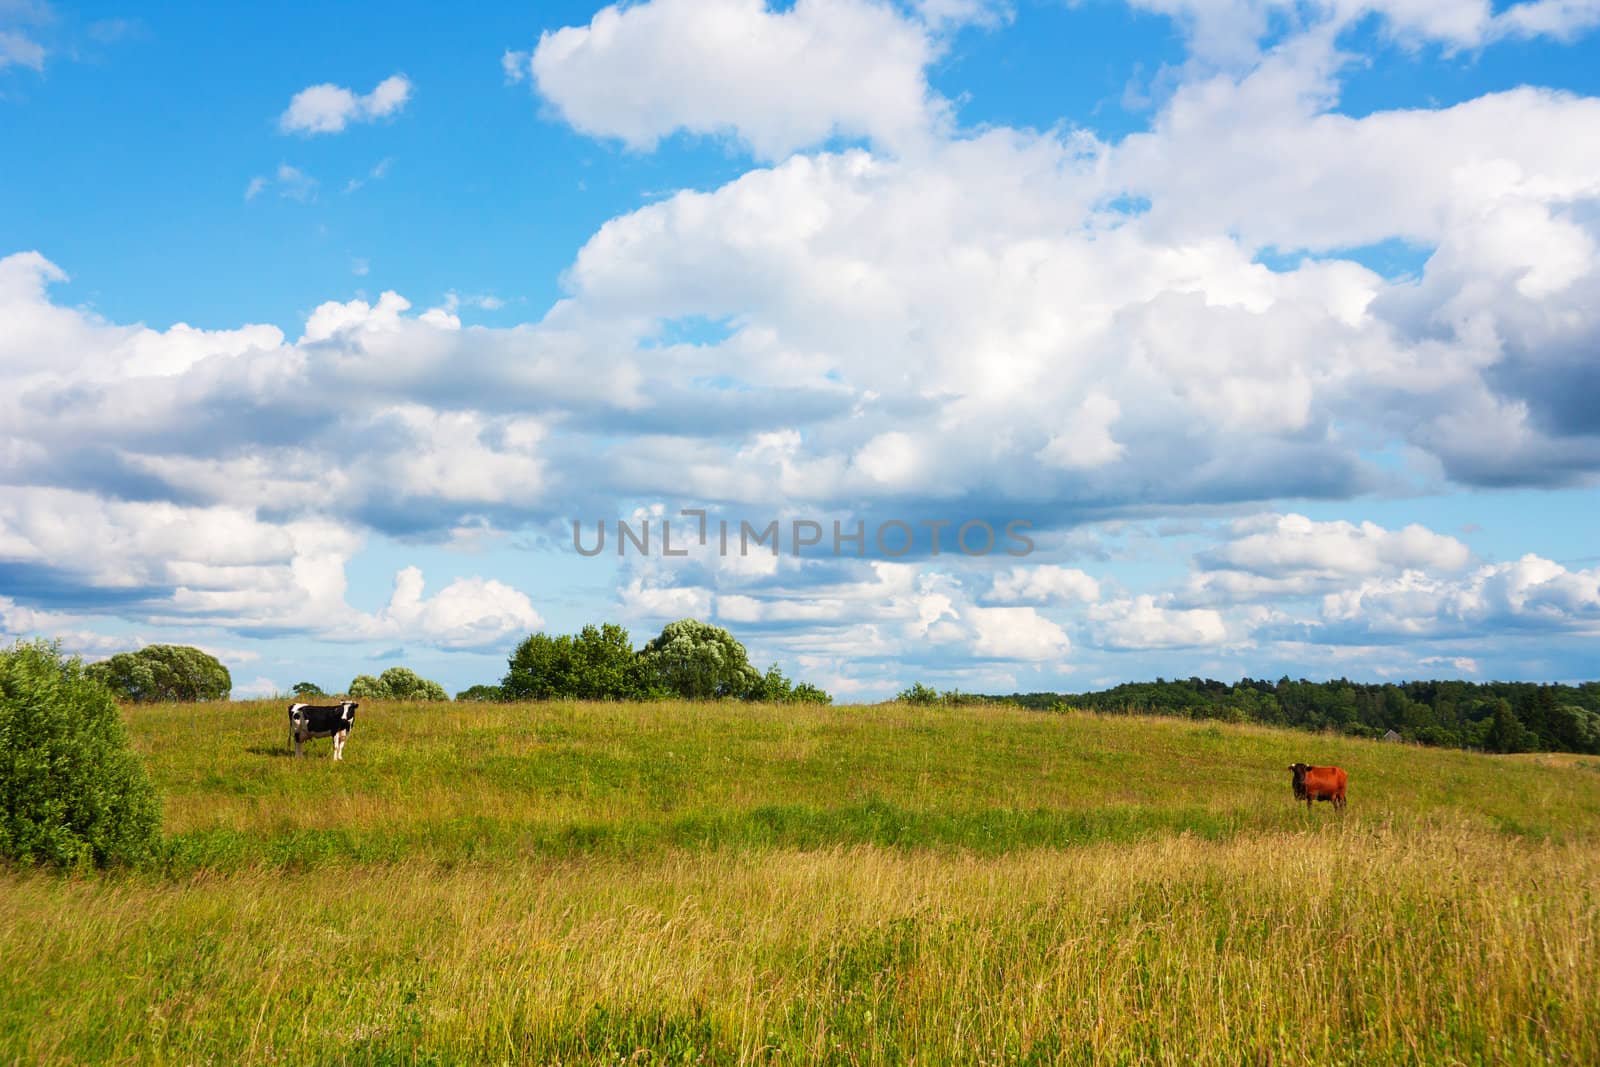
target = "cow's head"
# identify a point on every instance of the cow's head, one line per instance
(349, 712)
(1299, 771)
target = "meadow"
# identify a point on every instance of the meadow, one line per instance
(709, 883)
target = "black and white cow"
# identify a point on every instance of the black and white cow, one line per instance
(321, 720)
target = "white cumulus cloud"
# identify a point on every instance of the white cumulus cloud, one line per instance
(1046, 582)
(1279, 546)
(1528, 593)
(467, 613)
(776, 79)
(1142, 622)
(1016, 633)
(329, 108)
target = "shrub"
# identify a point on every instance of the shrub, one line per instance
(164, 672)
(483, 694)
(806, 693)
(396, 683)
(919, 694)
(72, 793)
(774, 688)
(308, 690)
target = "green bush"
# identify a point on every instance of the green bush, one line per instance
(396, 683)
(920, 694)
(806, 693)
(482, 694)
(72, 793)
(774, 688)
(164, 672)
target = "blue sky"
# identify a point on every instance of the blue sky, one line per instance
(1276, 321)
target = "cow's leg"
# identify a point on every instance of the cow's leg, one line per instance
(338, 745)
(298, 743)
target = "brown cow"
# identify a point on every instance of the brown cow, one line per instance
(1318, 783)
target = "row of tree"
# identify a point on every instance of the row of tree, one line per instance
(1486, 716)
(688, 659)
(396, 683)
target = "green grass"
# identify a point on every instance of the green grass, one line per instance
(501, 783)
(710, 883)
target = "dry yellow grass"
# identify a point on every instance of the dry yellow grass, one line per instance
(1329, 947)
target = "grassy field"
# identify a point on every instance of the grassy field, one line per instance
(678, 883)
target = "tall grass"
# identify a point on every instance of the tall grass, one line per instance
(696, 883)
(1327, 947)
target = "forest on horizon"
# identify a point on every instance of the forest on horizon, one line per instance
(1483, 716)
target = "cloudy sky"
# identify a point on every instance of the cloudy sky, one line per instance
(1279, 323)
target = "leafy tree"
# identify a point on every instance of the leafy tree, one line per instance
(483, 694)
(689, 659)
(308, 690)
(607, 666)
(396, 683)
(695, 660)
(771, 688)
(1506, 732)
(164, 673)
(1575, 729)
(598, 663)
(365, 685)
(72, 792)
(920, 694)
(774, 688)
(541, 667)
(403, 683)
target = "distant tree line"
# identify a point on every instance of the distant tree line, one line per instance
(689, 659)
(1487, 716)
(693, 660)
